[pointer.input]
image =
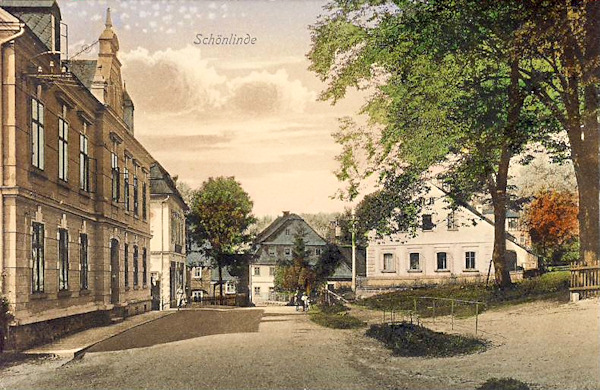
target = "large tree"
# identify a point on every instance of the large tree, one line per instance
(561, 39)
(445, 90)
(551, 220)
(220, 215)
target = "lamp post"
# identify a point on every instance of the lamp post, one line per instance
(353, 231)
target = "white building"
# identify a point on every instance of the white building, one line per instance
(450, 245)
(167, 223)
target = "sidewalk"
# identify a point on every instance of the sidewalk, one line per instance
(73, 345)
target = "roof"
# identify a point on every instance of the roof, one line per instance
(361, 259)
(27, 3)
(37, 16)
(84, 70)
(473, 210)
(278, 224)
(161, 183)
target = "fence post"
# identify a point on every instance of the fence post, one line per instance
(452, 312)
(476, 317)
(433, 299)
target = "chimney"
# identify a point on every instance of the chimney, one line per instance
(286, 213)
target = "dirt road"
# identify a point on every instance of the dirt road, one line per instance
(285, 350)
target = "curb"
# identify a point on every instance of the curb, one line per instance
(78, 354)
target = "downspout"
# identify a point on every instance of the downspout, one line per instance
(162, 249)
(4, 73)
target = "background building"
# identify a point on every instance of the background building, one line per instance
(167, 220)
(449, 245)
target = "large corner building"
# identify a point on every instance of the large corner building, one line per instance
(74, 195)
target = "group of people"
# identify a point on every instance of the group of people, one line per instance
(302, 300)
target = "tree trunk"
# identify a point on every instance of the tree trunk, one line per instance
(501, 271)
(220, 284)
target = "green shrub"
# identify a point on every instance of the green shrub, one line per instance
(334, 316)
(406, 339)
(503, 384)
(5, 318)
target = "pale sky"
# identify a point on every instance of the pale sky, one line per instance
(248, 111)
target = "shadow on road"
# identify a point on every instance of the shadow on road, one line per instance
(182, 325)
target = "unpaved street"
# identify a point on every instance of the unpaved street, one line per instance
(546, 344)
(286, 350)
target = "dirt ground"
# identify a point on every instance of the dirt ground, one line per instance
(546, 344)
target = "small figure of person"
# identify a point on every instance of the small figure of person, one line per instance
(180, 298)
(304, 302)
(297, 301)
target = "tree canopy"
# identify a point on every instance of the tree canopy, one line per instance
(219, 218)
(460, 87)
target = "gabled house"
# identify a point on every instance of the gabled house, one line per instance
(449, 245)
(167, 247)
(275, 242)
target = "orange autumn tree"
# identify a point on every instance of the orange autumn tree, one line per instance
(551, 220)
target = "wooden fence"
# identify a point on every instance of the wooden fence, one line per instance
(585, 280)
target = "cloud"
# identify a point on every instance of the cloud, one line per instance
(191, 83)
(187, 81)
(265, 92)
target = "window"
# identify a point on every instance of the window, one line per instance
(144, 267)
(135, 196)
(470, 260)
(126, 188)
(115, 177)
(427, 222)
(414, 261)
(197, 272)
(388, 262)
(287, 251)
(442, 263)
(430, 201)
(287, 232)
(135, 266)
(230, 287)
(63, 259)
(84, 163)
(318, 251)
(256, 271)
(144, 201)
(37, 253)
(84, 262)
(63, 147)
(37, 134)
(271, 251)
(271, 271)
(451, 221)
(513, 224)
(256, 290)
(126, 264)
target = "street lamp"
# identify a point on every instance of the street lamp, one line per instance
(353, 231)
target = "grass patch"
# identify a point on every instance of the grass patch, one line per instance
(334, 316)
(550, 286)
(503, 384)
(406, 339)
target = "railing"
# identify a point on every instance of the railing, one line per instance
(585, 280)
(439, 311)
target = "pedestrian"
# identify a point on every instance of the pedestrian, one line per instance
(180, 298)
(297, 301)
(304, 302)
